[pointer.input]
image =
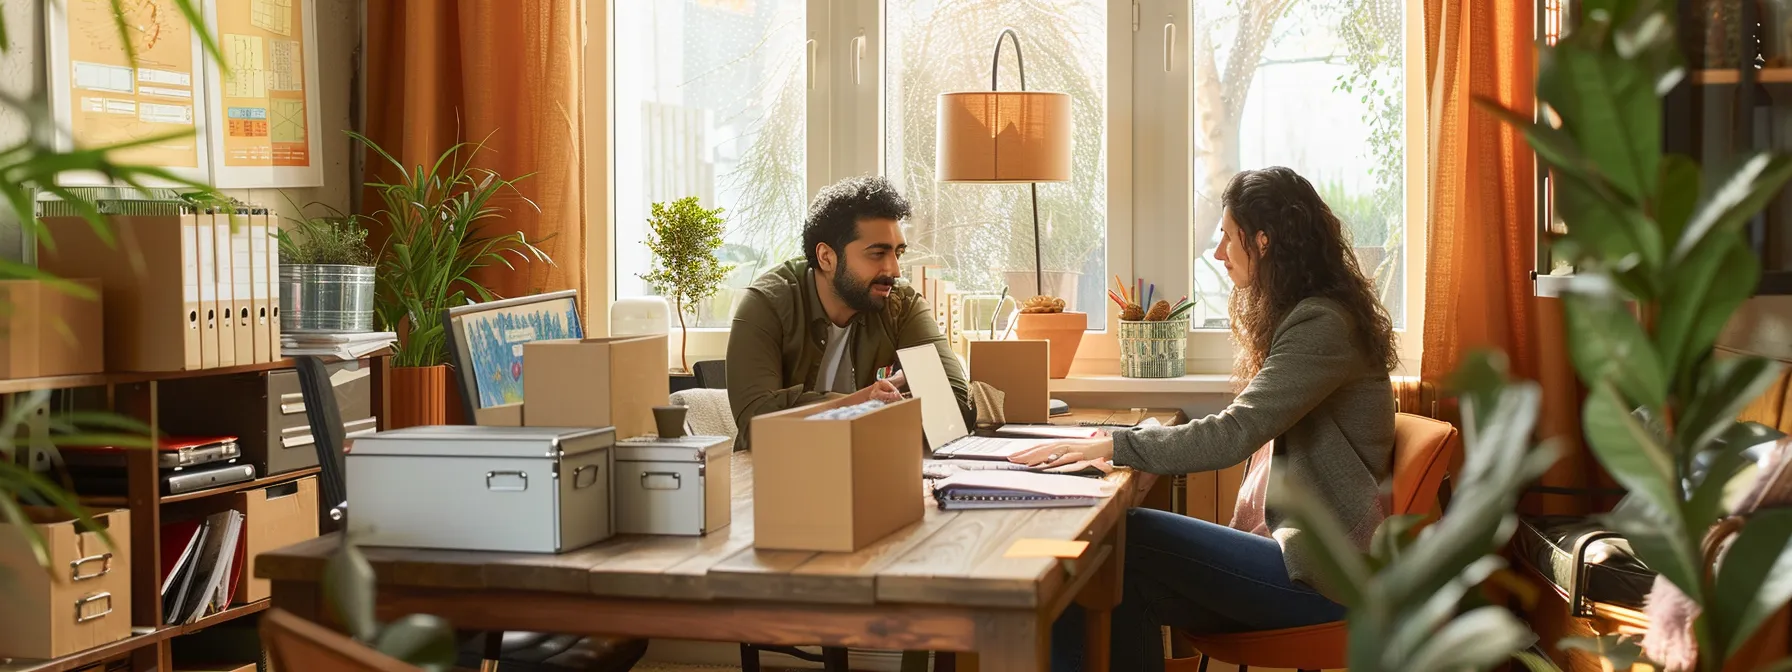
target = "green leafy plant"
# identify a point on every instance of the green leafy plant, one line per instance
(436, 216)
(335, 239)
(419, 639)
(684, 237)
(1413, 605)
(1662, 262)
(21, 487)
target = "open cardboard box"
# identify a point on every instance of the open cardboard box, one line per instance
(50, 332)
(1022, 371)
(596, 382)
(86, 604)
(835, 485)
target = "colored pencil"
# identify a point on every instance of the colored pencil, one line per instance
(997, 312)
(1149, 293)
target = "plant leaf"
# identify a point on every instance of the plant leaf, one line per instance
(1609, 105)
(1736, 198)
(1706, 503)
(1661, 545)
(1727, 385)
(1629, 452)
(1678, 196)
(1607, 343)
(1755, 578)
(1535, 663)
(420, 639)
(349, 589)
(1622, 651)
(1477, 640)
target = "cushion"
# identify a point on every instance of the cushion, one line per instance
(1614, 575)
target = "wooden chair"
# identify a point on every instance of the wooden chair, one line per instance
(1424, 449)
(293, 643)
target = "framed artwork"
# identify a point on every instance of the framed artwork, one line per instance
(485, 343)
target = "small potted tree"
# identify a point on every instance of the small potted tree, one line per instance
(684, 238)
(326, 275)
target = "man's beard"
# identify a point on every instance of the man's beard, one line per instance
(857, 294)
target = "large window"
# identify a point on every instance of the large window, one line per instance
(981, 235)
(709, 102)
(1314, 85)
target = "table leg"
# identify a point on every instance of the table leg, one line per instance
(1098, 632)
(1013, 642)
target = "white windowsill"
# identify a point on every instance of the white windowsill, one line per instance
(1201, 383)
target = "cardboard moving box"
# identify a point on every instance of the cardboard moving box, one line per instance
(87, 604)
(273, 517)
(596, 382)
(502, 415)
(50, 332)
(1022, 371)
(835, 485)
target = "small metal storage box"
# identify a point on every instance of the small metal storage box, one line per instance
(525, 489)
(673, 486)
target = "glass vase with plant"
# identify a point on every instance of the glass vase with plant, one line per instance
(437, 217)
(683, 237)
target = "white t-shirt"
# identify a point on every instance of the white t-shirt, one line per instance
(836, 373)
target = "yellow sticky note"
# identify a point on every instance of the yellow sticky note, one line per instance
(1046, 548)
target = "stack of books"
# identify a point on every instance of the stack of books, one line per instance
(341, 346)
(183, 464)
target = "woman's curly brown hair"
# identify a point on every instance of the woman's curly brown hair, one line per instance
(1308, 257)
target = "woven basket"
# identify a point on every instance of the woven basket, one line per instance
(1154, 349)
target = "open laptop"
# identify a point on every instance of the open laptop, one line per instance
(940, 420)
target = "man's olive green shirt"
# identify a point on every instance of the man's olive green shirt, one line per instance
(780, 328)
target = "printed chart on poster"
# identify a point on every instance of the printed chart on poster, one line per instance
(267, 132)
(156, 105)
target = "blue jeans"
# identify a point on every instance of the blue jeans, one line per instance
(1194, 575)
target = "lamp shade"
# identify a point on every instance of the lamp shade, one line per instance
(1004, 136)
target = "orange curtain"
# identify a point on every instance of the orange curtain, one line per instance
(508, 73)
(1482, 236)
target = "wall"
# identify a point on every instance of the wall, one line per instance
(23, 71)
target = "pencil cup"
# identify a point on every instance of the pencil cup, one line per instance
(669, 420)
(1154, 349)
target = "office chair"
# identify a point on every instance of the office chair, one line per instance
(514, 651)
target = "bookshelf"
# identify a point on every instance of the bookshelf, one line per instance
(136, 394)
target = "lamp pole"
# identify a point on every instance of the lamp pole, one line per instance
(995, 68)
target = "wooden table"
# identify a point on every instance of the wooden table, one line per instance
(940, 585)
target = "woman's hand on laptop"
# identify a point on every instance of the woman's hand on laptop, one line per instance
(1065, 452)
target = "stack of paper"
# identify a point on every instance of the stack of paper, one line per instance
(201, 579)
(341, 346)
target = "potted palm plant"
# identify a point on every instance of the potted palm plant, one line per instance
(436, 216)
(326, 275)
(684, 237)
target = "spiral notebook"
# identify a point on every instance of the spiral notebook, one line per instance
(998, 489)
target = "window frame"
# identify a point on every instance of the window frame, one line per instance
(1152, 183)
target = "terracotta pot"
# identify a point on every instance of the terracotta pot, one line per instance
(1063, 330)
(419, 396)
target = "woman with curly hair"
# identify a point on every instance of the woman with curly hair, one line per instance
(1315, 349)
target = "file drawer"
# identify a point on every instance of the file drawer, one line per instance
(266, 412)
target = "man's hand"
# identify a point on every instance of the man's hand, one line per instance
(1065, 452)
(884, 391)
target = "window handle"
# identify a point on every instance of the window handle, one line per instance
(858, 56)
(811, 64)
(1170, 43)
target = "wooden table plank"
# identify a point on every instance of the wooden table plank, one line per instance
(676, 567)
(932, 572)
(829, 578)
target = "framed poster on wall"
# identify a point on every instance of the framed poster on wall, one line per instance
(100, 98)
(267, 130)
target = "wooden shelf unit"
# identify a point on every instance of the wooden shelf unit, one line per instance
(135, 394)
(1733, 76)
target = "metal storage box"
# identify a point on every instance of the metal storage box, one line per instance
(524, 489)
(673, 486)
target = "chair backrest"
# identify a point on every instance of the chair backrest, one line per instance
(293, 643)
(712, 374)
(1424, 449)
(327, 435)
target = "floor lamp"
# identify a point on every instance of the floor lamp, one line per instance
(1011, 137)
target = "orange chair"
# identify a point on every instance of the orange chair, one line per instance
(1424, 449)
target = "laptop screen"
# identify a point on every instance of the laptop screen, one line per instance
(940, 419)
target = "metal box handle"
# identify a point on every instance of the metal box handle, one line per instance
(506, 488)
(74, 567)
(648, 481)
(83, 618)
(579, 474)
